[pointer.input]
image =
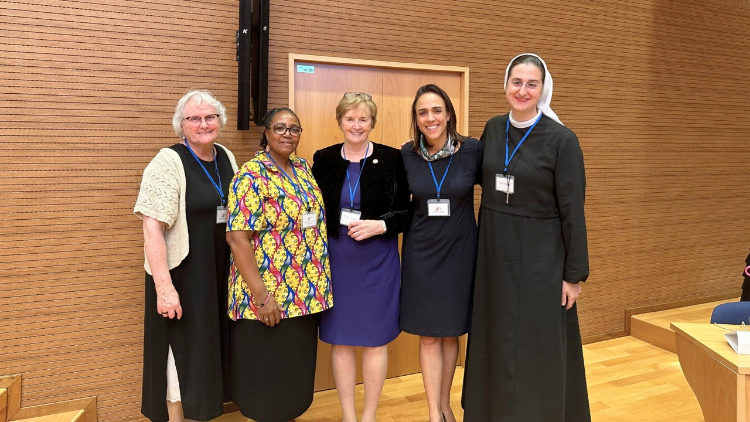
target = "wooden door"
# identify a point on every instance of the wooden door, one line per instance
(316, 86)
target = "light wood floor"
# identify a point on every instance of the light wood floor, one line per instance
(653, 327)
(629, 381)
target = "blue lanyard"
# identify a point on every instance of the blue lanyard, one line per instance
(348, 180)
(302, 194)
(444, 174)
(216, 166)
(507, 127)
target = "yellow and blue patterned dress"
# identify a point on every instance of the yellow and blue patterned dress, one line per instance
(292, 261)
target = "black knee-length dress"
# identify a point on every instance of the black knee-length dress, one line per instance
(439, 253)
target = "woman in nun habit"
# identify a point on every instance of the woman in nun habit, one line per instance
(524, 359)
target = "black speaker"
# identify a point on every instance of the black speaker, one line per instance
(252, 63)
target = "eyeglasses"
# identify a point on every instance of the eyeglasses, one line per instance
(529, 85)
(196, 120)
(358, 94)
(281, 128)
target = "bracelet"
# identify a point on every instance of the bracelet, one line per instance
(268, 297)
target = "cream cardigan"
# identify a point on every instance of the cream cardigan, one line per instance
(162, 197)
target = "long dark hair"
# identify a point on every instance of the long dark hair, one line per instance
(268, 118)
(416, 134)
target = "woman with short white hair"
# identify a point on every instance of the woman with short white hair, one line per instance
(183, 205)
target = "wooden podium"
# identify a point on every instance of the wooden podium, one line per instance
(719, 377)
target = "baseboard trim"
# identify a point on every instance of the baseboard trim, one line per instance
(602, 337)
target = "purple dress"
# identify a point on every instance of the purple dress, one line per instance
(365, 281)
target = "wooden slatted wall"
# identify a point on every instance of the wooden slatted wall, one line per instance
(654, 89)
(88, 91)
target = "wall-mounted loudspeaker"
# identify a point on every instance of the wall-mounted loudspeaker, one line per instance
(252, 59)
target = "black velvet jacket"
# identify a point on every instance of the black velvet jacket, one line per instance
(384, 189)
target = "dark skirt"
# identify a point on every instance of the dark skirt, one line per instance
(365, 281)
(274, 367)
(524, 357)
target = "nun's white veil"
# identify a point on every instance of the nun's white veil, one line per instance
(546, 97)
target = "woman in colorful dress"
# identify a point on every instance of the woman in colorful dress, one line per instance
(182, 202)
(280, 279)
(439, 253)
(366, 197)
(524, 359)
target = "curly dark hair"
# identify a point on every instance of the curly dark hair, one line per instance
(267, 122)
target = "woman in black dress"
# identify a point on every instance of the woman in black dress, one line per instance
(524, 359)
(439, 250)
(182, 202)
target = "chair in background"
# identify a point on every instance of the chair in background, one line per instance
(731, 313)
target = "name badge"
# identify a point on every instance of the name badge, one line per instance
(347, 216)
(222, 215)
(504, 184)
(309, 219)
(438, 207)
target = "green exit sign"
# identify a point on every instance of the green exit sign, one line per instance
(301, 68)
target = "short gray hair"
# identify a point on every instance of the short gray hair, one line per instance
(200, 96)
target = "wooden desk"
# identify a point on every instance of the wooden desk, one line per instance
(719, 377)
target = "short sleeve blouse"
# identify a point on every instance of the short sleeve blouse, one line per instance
(292, 261)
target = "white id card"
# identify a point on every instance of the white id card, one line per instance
(504, 184)
(309, 219)
(438, 207)
(222, 215)
(347, 216)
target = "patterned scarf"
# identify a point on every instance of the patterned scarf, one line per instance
(447, 150)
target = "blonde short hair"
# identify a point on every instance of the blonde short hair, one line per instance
(352, 100)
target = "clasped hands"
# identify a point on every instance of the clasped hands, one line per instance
(364, 229)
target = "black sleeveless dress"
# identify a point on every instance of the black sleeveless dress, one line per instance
(200, 340)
